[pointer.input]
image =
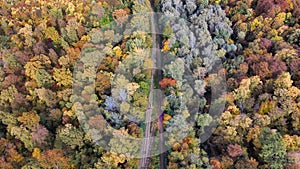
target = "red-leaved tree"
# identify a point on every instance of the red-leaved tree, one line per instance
(166, 82)
(266, 66)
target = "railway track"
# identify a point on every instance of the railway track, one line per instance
(154, 100)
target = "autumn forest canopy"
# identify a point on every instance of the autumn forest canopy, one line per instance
(218, 79)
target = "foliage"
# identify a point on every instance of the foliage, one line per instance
(50, 48)
(22, 134)
(71, 136)
(292, 142)
(269, 7)
(166, 82)
(266, 66)
(63, 77)
(52, 34)
(102, 82)
(175, 70)
(29, 119)
(110, 103)
(243, 93)
(7, 96)
(39, 135)
(47, 96)
(273, 149)
(113, 159)
(120, 144)
(234, 150)
(54, 159)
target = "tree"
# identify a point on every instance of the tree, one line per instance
(175, 70)
(244, 92)
(7, 95)
(102, 82)
(27, 33)
(10, 157)
(54, 158)
(22, 134)
(110, 104)
(234, 150)
(120, 16)
(63, 77)
(47, 96)
(39, 135)
(5, 164)
(268, 7)
(71, 136)
(43, 78)
(29, 119)
(123, 143)
(52, 34)
(266, 66)
(113, 159)
(273, 151)
(166, 82)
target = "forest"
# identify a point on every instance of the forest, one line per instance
(219, 79)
